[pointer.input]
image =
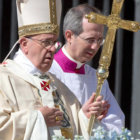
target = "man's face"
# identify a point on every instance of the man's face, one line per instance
(84, 46)
(39, 51)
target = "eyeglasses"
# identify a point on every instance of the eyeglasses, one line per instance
(93, 41)
(44, 43)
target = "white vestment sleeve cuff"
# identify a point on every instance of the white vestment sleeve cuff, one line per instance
(36, 127)
(114, 123)
(40, 131)
(83, 124)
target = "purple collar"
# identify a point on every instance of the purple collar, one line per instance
(66, 64)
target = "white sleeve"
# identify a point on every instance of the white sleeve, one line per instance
(115, 118)
(84, 121)
(56, 69)
(36, 127)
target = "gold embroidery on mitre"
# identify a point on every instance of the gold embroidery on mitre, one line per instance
(38, 29)
(53, 16)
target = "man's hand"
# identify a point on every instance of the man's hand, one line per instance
(99, 107)
(105, 107)
(52, 116)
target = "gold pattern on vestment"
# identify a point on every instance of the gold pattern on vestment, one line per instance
(38, 29)
(113, 22)
(66, 128)
(53, 15)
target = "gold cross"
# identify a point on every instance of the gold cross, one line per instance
(113, 22)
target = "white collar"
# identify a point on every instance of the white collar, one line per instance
(79, 64)
(25, 63)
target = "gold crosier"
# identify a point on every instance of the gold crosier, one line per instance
(113, 22)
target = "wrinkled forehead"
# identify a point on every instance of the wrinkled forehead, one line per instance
(92, 28)
(45, 36)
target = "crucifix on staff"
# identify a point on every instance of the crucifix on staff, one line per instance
(113, 22)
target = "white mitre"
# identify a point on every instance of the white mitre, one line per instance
(38, 16)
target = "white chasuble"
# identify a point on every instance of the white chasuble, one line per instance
(20, 100)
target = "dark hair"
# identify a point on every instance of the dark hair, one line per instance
(73, 18)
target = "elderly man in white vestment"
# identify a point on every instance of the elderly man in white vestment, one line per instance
(34, 104)
(83, 40)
